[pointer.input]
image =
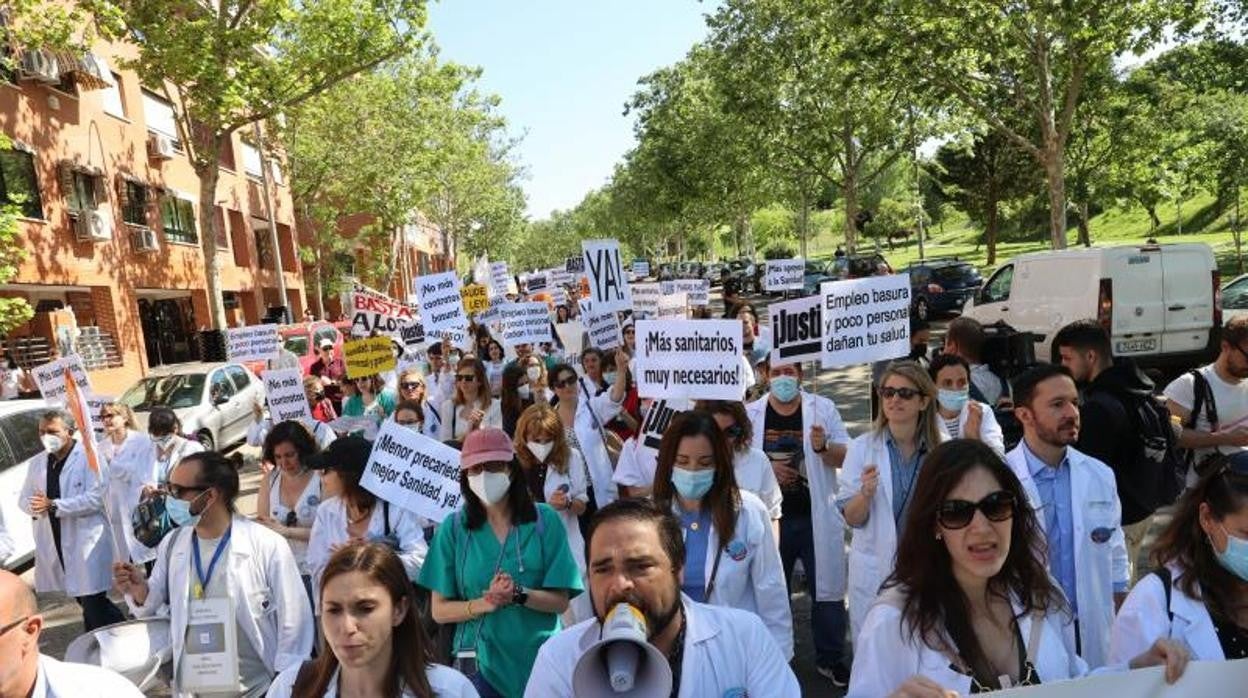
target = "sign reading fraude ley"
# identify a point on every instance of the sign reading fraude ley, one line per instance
(476, 298)
(796, 330)
(865, 320)
(368, 357)
(283, 390)
(441, 306)
(413, 472)
(253, 343)
(692, 359)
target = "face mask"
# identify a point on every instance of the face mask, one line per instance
(179, 511)
(524, 392)
(785, 388)
(953, 400)
(533, 372)
(162, 441)
(540, 451)
(1235, 557)
(692, 484)
(490, 488)
(609, 378)
(52, 443)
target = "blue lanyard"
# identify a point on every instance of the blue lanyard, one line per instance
(212, 564)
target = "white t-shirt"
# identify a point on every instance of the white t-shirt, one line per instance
(1230, 400)
(636, 465)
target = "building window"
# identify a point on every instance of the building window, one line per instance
(81, 194)
(251, 160)
(158, 116)
(134, 203)
(113, 102)
(177, 216)
(18, 183)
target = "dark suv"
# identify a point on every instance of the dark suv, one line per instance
(941, 285)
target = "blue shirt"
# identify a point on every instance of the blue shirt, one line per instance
(905, 472)
(697, 527)
(1059, 524)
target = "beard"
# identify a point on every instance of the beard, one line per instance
(657, 619)
(1054, 436)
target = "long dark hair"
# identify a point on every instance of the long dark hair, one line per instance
(410, 650)
(509, 398)
(1185, 543)
(519, 501)
(292, 432)
(935, 606)
(723, 500)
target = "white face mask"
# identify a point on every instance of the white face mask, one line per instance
(490, 488)
(540, 451)
(533, 372)
(52, 443)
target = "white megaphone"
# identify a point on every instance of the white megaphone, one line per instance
(622, 663)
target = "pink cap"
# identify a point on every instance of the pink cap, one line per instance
(485, 446)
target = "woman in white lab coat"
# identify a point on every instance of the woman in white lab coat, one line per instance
(879, 478)
(1198, 593)
(969, 607)
(290, 494)
(751, 466)
(584, 420)
(958, 416)
(471, 407)
(128, 453)
(731, 555)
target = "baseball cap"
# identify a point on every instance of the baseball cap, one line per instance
(327, 344)
(346, 453)
(485, 446)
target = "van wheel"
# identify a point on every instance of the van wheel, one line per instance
(920, 309)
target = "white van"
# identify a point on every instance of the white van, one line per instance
(1159, 302)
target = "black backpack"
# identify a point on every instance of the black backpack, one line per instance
(1157, 468)
(1202, 398)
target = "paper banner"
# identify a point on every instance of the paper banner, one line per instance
(413, 472)
(253, 343)
(697, 360)
(367, 357)
(865, 320)
(604, 272)
(284, 392)
(796, 330)
(784, 274)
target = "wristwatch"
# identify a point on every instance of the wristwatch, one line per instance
(520, 596)
(52, 509)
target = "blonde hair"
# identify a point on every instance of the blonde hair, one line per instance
(545, 420)
(121, 409)
(928, 429)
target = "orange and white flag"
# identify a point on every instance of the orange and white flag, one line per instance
(76, 402)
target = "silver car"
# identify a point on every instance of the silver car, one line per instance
(213, 400)
(19, 447)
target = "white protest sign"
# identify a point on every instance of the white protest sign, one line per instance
(481, 270)
(586, 306)
(865, 320)
(413, 472)
(659, 418)
(558, 296)
(558, 276)
(698, 359)
(500, 279)
(284, 391)
(608, 287)
(784, 274)
(575, 265)
(572, 334)
(796, 330)
(603, 329)
(253, 343)
(535, 282)
(673, 306)
(646, 300)
(371, 310)
(525, 323)
(1206, 678)
(50, 378)
(698, 290)
(95, 405)
(641, 268)
(441, 305)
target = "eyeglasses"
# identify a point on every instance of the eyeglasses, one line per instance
(14, 624)
(498, 466)
(903, 393)
(411, 386)
(957, 513)
(565, 383)
(178, 491)
(465, 377)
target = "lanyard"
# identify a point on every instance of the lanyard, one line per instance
(212, 564)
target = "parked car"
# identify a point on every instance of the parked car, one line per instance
(712, 273)
(302, 339)
(1157, 301)
(213, 400)
(746, 274)
(19, 447)
(665, 272)
(941, 285)
(689, 270)
(816, 273)
(858, 266)
(1235, 297)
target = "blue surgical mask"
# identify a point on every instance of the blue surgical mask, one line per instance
(609, 378)
(785, 388)
(179, 511)
(692, 484)
(953, 400)
(1235, 557)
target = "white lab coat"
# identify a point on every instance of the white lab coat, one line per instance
(753, 472)
(750, 576)
(57, 679)
(887, 654)
(330, 529)
(258, 431)
(828, 525)
(85, 533)
(872, 546)
(580, 607)
(443, 680)
(439, 387)
(1098, 566)
(453, 422)
(270, 604)
(592, 413)
(1144, 619)
(636, 465)
(182, 448)
(129, 471)
(989, 429)
(728, 652)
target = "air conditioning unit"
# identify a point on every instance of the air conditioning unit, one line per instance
(144, 240)
(40, 66)
(160, 146)
(92, 225)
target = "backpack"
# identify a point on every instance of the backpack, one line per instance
(1202, 397)
(1156, 468)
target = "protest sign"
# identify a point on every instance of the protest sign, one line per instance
(535, 282)
(698, 360)
(364, 425)
(500, 279)
(525, 323)
(673, 306)
(796, 330)
(572, 335)
(603, 329)
(646, 300)
(476, 298)
(95, 404)
(413, 472)
(367, 357)
(253, 343)
(608, 287)
(559, 276)
(558, 296)
(698, 290)
(441, 306)
(641, 268)
(659, 418)
(481, 270)
(284, 391)
(50, 378)
(371, 310)
(574, 265)
(784, 274)
(412, 336)
(865, 320)
(1205, 678)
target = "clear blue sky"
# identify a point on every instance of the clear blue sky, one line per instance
(564, 69)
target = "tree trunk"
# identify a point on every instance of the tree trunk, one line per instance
(1239, 253)
(1054, 172)
(1178, 210)
(803, 226)
(1154, 221)
(209, 173)
(991, 234)
(1085, 238)
(320, 288)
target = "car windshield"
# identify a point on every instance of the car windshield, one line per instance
(1235, 295)
(175, 392)
(814, 268)
(956, 274)
(297, 344)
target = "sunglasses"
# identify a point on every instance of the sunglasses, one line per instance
(465, 377)
(178, 491)
(903, 393)
(957, 513)
(492, 467)
(565, 383)
(411, 386)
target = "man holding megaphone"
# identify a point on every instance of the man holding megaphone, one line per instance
(647, 638)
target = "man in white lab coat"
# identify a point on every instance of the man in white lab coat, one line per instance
(25, 673)
(1076, 500)
(636, 556)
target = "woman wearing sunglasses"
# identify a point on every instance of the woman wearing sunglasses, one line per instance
(289, 496)
(370, 400)
(1198, 593)
(413, 393)
(128, 453)
(750, 465)
(471, 407)
(879, 478)
(584, 422)
(499, 568)
(969, 607)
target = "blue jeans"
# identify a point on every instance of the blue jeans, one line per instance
(828, 619)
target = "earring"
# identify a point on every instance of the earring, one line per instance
(938, 536)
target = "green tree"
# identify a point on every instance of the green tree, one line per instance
(13, 311)
(980, 175)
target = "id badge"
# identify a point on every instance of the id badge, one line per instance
(466, 662)
(209, 662)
